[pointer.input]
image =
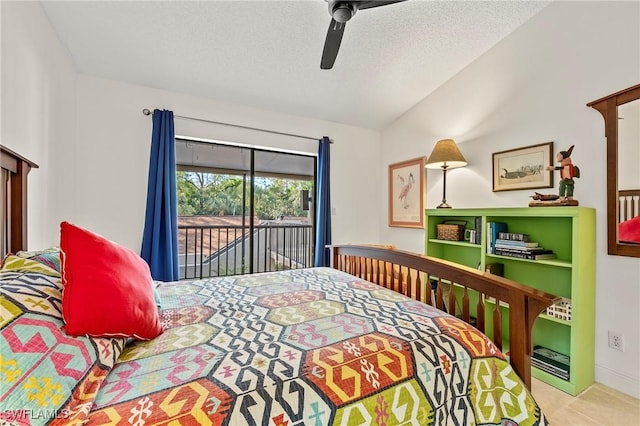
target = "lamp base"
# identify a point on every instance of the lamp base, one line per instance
(444, 205)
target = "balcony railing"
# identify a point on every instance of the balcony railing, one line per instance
(222, 250)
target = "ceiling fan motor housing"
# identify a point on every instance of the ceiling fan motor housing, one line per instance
(342, 11)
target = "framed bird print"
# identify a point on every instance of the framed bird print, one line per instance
(523, 168)
(407, 193)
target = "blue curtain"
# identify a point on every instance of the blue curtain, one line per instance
(160, 238)
(323, 203)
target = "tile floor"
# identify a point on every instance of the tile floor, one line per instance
(599, 405)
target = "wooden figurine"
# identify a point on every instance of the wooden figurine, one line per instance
(568, 171)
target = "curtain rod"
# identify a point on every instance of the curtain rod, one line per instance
(147, 111)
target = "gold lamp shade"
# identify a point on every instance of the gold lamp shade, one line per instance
(445, 155)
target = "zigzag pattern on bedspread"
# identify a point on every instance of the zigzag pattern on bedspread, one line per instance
(309, 347)
(46, 376)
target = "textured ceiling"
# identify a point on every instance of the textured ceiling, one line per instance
(266, 54)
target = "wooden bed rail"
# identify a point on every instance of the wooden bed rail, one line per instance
(418, 276)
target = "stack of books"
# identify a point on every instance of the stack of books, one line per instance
(518, 245)
(551, 361)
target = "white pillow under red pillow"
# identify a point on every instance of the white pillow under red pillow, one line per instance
(107, 288)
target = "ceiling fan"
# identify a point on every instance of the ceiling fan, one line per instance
(341, 12)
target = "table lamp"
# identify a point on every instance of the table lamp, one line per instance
(445, 155)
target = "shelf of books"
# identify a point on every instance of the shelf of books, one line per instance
(547, 248)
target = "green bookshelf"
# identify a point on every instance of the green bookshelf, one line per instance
(570, 233)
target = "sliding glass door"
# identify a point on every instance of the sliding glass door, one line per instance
(219, 185)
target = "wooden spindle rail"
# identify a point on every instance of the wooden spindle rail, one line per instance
(414, 275)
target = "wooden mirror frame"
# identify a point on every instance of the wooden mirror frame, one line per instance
(608, 107)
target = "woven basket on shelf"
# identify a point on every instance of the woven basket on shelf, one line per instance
(452, 230)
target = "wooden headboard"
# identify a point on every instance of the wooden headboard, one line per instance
(15, 169)
(628, 204)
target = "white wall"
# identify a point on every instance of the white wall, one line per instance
(533, 87)
(112, 156)
(91, 140)
(38, 113)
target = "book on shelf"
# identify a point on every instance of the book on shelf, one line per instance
(516, 243)
(544, 256)
(493, 229)
(521, 254)
(551, 361)
(551, 357)
(519, 249)
(549, 366)
(513, 236)
(550, 369)
(531, 250)
(478, 227)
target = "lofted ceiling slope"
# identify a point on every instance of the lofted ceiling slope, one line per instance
(266, 54)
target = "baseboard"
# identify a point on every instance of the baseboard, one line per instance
(617, 381)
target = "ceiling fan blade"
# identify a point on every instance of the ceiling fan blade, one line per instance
(332, 44)
(374, 3)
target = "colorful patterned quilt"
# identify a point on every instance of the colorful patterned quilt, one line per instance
(46, 376)
(309, 347)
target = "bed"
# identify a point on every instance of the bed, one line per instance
(629, 216)
(313, 346)
(382, 337)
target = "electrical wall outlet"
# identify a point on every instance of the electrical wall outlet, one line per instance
(616, 341)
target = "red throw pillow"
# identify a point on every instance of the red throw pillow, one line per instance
(108, 289)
